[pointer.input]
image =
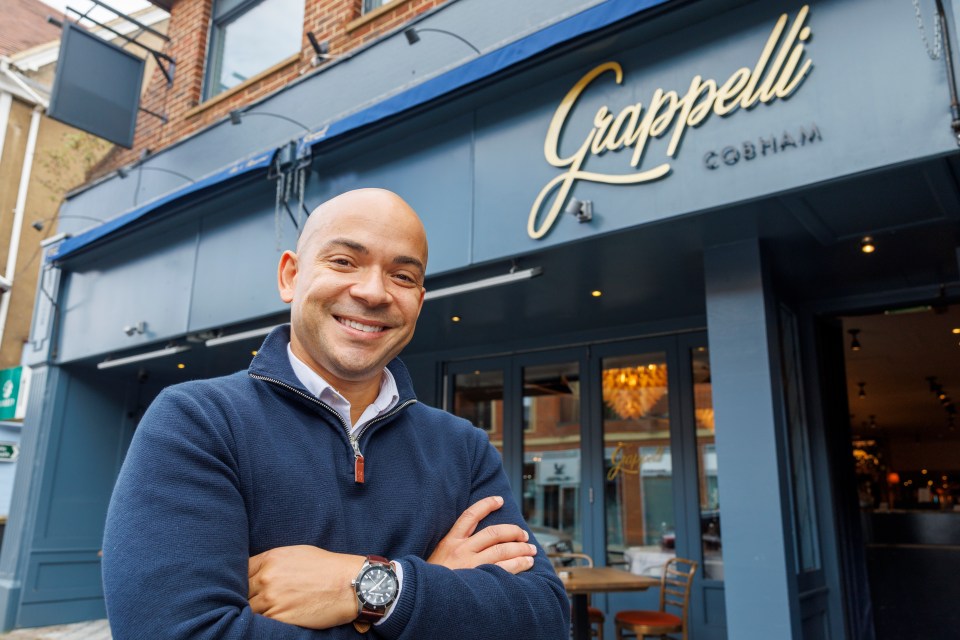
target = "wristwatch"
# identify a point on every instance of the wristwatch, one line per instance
(376, 587)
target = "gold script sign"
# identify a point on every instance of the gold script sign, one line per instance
(630, 463)
(774, 76)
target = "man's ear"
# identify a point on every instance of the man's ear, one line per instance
(287, 275)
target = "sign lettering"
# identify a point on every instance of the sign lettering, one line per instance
(774, 76)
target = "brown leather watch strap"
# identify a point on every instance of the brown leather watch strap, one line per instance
(366, 617)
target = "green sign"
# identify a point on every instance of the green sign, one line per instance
(14, 384)
(9, 452)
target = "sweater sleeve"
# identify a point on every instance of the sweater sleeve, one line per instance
(486, 602)
(176, 543)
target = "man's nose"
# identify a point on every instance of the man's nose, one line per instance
(371, 288)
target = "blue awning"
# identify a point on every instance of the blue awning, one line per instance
(479, 68)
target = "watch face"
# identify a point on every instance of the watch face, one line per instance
(377, 586)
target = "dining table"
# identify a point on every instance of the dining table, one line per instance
(580, 582)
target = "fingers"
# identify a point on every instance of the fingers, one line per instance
(507, 552)
(496, 534)
(255, 564)
(516, 565)
(467, 523)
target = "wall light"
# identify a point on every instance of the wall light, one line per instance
(495, 281)
(140, 357)
(413, 36)
(237, 116)
(321, 50)
(854, 341)
(123, 172)
(243, 335)
(862, 394)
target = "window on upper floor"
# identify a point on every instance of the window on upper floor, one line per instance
(250, 36)
(370, 5)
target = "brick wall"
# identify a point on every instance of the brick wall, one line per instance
(338, 22)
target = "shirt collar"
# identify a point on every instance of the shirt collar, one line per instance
(386, 399)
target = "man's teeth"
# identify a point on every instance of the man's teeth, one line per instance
(361, 327)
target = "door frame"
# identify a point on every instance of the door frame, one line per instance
(677, 347)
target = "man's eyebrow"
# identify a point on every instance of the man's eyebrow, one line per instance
(410, 260)
(344, 242)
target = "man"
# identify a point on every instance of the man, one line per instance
(260, 505)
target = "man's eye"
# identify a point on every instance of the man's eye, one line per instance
(403, 277)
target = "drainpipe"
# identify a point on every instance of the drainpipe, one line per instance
(5, 101)
(18, 212)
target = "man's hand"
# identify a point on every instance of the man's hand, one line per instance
(303, 585)
(504, 545)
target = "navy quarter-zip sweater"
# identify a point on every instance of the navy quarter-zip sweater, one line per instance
(223, 469)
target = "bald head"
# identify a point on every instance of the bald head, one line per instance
(355, 288)
(374, 206)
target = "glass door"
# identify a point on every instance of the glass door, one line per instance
(610, 452)
(552, 458)
(638, 465)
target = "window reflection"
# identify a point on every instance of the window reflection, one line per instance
(551, 454)
(250, 39)
(478, 397)
(639, 471)
(709, 487)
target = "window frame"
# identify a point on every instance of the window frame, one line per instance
(215, 34)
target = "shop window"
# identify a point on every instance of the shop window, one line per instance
(709, 487)
(638, 493)
(551, 455)
(805, 515)
(250, 36)
(478, 397)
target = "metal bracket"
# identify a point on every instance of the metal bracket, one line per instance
(166, 64)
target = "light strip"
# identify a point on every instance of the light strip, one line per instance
(243, 335)
(495, 281)
(150, 355)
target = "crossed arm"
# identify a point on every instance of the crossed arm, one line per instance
(310, 587)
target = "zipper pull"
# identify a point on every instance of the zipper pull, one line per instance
(357, 462)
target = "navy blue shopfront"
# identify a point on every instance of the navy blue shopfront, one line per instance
(664, 381)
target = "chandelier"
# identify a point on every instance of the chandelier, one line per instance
(632, 392)
(704, 418)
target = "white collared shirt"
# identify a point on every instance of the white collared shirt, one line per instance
(387, 398)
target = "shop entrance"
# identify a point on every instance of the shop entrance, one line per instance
(610, 450)
(903, 392)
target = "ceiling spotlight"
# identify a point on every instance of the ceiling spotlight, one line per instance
(582, 210)
(596, 293)
(455, 318)
(862, 394)
(854, 341)
(867, 245)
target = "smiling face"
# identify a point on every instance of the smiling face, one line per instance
(355, 286)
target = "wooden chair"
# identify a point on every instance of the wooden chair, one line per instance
(570, 559)
(675, 583)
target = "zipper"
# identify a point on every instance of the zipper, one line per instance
(358, 459)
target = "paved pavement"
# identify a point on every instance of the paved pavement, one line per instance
(94, 630)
